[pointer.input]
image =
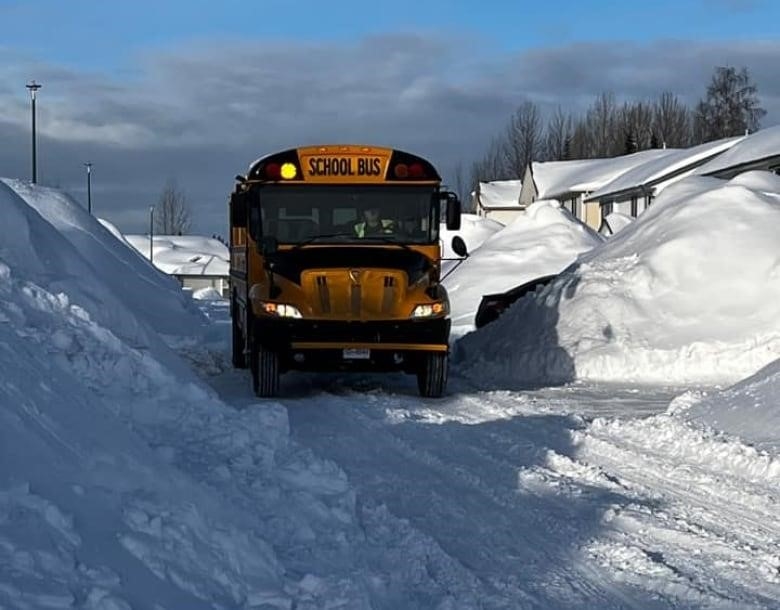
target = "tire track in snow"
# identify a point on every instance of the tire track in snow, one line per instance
(717, 532)
(516, 543)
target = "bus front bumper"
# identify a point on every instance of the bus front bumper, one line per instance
(352, 345)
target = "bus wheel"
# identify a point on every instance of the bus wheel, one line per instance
(239, 344)
(265, 372)
(432, 374)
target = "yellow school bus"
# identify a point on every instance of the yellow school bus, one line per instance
(335, 264)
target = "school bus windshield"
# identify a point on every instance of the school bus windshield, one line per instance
(347, 214)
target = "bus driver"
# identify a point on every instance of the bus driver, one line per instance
(372, 224)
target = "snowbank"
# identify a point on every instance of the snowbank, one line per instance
(65, 247)
(125, 482)
(544, 241)
(749, 409)
(688, 293)
(474, 230)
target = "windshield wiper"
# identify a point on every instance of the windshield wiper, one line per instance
(314, 238)
(387, 240)
(356, 240)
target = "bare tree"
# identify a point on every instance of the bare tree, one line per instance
(172, 212)
(601, 119)
(462, 187)
(558, 136)
(523, 138)
(492, 166)
(671, 122)
(731, 107)
(634, 123)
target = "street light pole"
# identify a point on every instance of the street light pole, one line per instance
(88, 165)
(151, 234)
(33, 87)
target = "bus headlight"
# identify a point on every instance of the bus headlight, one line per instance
(283, 310)
(428, 310)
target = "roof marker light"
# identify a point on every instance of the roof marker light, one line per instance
(272, 171)
(289, 171)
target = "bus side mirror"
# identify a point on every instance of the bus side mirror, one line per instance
(459, 246)
(238, 205)
(453, 211)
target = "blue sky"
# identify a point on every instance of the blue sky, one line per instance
(194, 91)
(96, 34)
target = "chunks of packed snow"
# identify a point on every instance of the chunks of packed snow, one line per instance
(124, 481)
(688, 293)
(543, 241)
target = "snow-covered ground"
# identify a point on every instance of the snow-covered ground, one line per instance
(138, 471)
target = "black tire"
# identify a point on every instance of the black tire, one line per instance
(432, 374)
(265, 372)
(239, 343)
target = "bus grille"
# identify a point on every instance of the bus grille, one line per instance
(356, 294)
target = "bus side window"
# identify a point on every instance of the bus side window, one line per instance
(255, 224)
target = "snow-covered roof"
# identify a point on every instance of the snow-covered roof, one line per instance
(555, 178)
(760, 145)
(499, 193)
(185, 254)
(655, 170)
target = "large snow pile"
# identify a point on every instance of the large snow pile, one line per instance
(185, 254)
(126, 483)
(688, 293)
(543, 241)
(102, 274)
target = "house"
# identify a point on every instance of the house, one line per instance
(757, 151)
(498, 200)
(571, 182)
(633, 191)
(196, 261)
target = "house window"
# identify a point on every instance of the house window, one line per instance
(634, 210)
(606, 209)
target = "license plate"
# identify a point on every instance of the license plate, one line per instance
(356, 354)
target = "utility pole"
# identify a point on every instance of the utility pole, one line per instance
(88, 165)
(33, 87)
(151, 234)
